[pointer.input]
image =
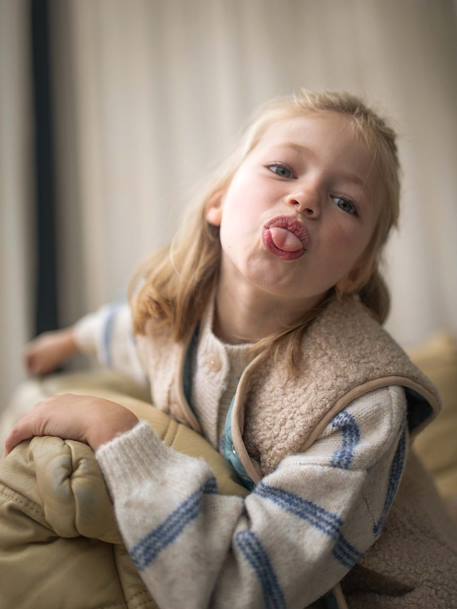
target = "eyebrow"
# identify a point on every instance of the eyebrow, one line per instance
(350, 177)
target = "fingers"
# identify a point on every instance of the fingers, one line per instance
(47, 352)
(12, 440)
(35, 423)
(42, 355)
(32, 363)
(21, 432)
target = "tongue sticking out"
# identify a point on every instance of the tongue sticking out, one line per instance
(285, 240)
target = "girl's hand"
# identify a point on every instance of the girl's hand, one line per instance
(45, 353)
(74, 417)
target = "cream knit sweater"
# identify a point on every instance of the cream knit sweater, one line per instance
(291, 539)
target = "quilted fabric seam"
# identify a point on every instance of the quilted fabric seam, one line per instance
(24, 502)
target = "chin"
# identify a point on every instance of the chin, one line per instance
(274, 284)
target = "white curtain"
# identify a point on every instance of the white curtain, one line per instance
(16, 217)
(150, 95)
(160, 90)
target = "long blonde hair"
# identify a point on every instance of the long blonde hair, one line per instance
(176, 281)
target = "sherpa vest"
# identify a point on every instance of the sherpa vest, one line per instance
(346, 354)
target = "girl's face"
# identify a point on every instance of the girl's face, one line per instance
(300, 210)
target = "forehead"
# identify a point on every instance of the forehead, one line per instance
(329, 137)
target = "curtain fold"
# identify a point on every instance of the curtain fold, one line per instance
(16, 210)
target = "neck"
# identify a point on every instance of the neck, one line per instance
(249, 314)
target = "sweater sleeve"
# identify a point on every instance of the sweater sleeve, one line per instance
(288, 542)
(107, 334)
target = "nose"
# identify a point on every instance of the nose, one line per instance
(305, 202)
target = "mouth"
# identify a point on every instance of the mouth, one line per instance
(286, 237)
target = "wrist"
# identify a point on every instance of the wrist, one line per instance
(69, 343)
(107, 431)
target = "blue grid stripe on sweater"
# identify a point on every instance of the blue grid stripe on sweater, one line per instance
(318, 517)
(258, 558)
(345, 553)
(351, 437)
(107, 334)
(147, 550)
(396, 470)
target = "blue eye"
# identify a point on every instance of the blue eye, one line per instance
(346, 205)
(281, 170)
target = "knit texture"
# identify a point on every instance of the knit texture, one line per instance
(222, 362)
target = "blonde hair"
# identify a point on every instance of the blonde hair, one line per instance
(177, 280)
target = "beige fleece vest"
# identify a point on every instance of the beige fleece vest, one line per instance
(346, 355)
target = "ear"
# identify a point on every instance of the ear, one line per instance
(214, 209)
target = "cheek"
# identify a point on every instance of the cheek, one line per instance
(244, 207)
(347, 247)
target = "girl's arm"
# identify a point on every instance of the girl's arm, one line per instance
(106, 334)
(288, 542)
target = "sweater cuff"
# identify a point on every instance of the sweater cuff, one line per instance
(86, 332)
(137, 456)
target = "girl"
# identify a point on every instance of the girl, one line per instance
(260, 327)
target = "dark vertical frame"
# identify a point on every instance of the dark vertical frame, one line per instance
(46, 294)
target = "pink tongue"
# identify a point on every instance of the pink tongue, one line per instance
(285, 240)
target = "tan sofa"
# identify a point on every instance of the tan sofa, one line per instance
(437, 444)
